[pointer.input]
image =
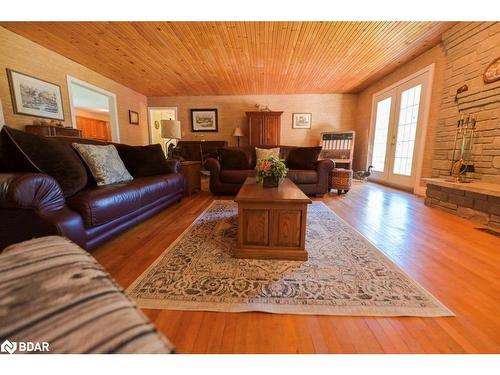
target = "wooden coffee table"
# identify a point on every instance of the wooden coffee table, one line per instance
(271, 221)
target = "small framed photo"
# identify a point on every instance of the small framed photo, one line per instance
(204, 120)
(133, 117)
(301, 120)
(35, 97)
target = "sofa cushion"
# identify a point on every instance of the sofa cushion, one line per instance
(235, 158)
(25, 152)
(99, 205)
(143, 161)
(236, 176)
(303, 157)
(303, 176)
(262, 153)
(55, 292)
(104, 162)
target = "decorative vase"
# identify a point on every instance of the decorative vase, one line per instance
(270, 181)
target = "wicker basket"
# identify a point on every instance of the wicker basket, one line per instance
(341, 179)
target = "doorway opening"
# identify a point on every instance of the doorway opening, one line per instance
(93, 111)
(156, 114)
(398, 129)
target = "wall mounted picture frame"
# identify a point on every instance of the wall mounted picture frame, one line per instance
(133, 117)
(35, 97)
(301, 120)
(204, 120)
(492, 71)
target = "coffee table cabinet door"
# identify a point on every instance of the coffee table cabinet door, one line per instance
(256, 227)
(287, 228)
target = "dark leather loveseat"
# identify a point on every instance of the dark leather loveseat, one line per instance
(33, 204)
(227, 174)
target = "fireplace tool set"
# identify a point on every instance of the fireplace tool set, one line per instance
(461, 162)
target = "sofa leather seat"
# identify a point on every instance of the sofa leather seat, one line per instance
(303, 176)
(100, 205)
(235, 176)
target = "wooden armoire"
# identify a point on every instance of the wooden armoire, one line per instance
(264, 128)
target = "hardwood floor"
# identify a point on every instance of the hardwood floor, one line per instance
(444, 253)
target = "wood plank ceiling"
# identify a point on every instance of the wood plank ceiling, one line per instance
(229, 58)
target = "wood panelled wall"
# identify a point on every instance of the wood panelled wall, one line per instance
(329, 112)
(25, 56)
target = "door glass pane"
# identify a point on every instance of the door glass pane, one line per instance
(380, 137)
(407, 129)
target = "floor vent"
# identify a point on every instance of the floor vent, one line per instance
(490, 231)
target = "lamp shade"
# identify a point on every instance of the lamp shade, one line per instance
(171, 129)
(237, 132)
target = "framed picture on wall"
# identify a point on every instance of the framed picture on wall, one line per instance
(204, 120)
(301, 120)
(35, 97)
(133, 117)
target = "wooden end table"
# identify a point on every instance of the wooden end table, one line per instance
(271, 221)
(191, 170)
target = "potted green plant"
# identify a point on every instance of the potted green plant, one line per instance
(270, 171)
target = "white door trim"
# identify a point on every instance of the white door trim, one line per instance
(150, 118)
(419, 150)
(113, 108)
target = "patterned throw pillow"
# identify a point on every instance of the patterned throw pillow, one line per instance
(262, 153)
(104, 163)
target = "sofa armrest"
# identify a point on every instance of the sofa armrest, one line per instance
(33, 191)
(213, 165)
(325, 166)
(174, 165)
(38, 199)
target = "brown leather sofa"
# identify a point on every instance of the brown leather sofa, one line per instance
(227, 181)
(34, 205)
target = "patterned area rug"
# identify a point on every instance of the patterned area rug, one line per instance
(345, 273)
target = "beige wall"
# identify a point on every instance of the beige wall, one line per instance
(434, 55)
(20, 54)
(329, 112)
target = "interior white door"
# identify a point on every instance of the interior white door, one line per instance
(398, 114)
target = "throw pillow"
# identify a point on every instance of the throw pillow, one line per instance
(26, 152)
(104, 163)
(143, 161)
(303, 157)
(262, 153)
(234, 158)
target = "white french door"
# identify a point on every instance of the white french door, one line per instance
(397, 119)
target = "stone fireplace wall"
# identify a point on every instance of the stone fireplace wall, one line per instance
(469, 48)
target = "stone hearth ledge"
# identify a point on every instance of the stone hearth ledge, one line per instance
(485, 188)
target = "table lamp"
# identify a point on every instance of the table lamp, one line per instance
(170, 130)
(238, 133)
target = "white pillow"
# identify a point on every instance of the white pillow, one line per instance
(104, 163)
(262, 153)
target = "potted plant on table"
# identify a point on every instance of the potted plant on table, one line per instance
(270, 171)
